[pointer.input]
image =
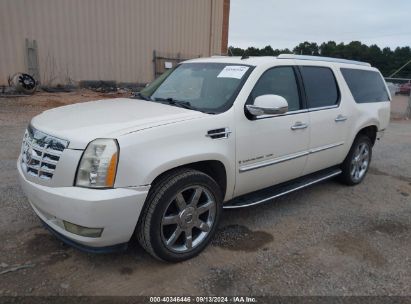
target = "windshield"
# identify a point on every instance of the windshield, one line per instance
(207, 87)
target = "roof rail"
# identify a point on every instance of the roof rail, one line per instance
(319, 58)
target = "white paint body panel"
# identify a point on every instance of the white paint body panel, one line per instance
(83, 122)
(115, 210)
(154, 138)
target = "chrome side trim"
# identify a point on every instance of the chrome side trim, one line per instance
(299, 111)
(287, 157)
(323, 108)
(273, 161)
(285, 192)
(323, 148)
(285, 114)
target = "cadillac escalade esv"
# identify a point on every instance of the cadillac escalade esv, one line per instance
(211, 133)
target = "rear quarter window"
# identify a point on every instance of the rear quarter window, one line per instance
(365, 86)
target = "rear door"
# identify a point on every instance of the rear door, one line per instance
(328, 116)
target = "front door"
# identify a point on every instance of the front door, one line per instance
(272, 149)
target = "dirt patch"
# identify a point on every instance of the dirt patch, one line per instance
(46, 249)
(126, 271)
(404, 190)
(44, 243)
(220, 281)
(358, 248)
(240, 238)
(390, 227)
(52, 103)
(375, 171)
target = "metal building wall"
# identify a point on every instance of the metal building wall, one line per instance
(106, 39)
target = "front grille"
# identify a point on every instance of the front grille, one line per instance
(40, 153)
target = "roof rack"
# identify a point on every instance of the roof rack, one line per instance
(319, 58)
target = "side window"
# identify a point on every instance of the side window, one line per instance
(320, 86)
(365, 86)
(279, 81)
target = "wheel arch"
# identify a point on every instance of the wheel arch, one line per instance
(370, 131)
(216, 169)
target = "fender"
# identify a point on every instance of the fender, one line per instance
(147, 154)
(370, 114)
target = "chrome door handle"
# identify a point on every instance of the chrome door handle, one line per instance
(340, 118)
(299, 125)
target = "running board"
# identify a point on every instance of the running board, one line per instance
(267, 194)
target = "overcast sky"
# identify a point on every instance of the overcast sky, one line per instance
(285, 23)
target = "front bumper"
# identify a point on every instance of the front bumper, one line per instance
(115, 210)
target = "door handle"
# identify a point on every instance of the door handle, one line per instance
(299, 125)
(340, 118)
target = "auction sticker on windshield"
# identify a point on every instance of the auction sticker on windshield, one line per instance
(233, 71)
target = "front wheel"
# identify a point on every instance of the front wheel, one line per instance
(181, 215)
(357, 162)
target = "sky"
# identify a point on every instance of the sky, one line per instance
(286, 23)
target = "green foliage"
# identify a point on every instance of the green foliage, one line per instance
(386, 60)
(252, 51)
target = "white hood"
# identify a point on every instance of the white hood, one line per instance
(83, 122)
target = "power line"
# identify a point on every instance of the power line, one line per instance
(396, 72)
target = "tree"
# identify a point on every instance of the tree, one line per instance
(328, 49)
(386, 60)
(307, 48)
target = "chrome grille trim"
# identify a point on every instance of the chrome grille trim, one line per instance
(40, 153)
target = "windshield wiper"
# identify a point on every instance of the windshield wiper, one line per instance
(174, 102)
(144, 97)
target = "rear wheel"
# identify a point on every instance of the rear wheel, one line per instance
(357, 162)
(180, 216)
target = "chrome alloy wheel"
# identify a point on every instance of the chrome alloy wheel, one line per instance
(188, 219)
(360, 162)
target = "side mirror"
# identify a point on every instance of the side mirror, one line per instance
(268, 105)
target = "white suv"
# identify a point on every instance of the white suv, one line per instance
(212, 133)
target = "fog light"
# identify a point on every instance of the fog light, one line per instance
(83, 231)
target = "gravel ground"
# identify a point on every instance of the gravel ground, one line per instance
(326, 240)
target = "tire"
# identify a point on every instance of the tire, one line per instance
(356, 164)
(171, 212)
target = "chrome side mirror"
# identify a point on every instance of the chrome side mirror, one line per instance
(268, 105)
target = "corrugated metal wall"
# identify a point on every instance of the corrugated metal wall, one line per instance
(105, 39)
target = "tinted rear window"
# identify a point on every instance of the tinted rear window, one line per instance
(320, 86)
(365, 86)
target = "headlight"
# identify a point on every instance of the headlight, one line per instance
(98, 166)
